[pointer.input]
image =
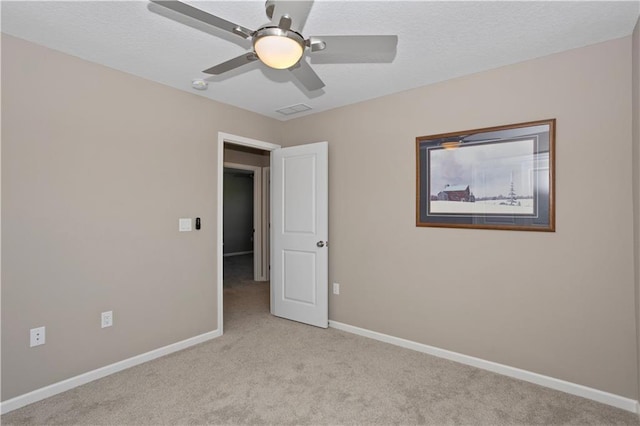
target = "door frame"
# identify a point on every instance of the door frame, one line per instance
(258, 265)
(235, 140)
(266, 222)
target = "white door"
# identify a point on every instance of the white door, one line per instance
(299, 232)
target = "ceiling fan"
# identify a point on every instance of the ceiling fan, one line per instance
(280, 44)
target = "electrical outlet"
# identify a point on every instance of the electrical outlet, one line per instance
(107, 319)
(336, 288)
(37, 336)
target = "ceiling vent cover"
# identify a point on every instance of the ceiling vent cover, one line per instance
(293, 109)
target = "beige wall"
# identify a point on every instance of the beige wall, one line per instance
(636, 173)
(559, 304)
(97, 167)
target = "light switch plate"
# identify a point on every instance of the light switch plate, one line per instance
(184, 224)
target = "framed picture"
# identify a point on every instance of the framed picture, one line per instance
(494, 178)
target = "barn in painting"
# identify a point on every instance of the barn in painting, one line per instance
(455, 193)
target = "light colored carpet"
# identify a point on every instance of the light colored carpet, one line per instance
(266, 370)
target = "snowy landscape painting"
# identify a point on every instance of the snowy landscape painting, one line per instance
(499, 178)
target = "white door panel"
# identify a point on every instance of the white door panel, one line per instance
(299, 281)
(299, 195)
(299, 215)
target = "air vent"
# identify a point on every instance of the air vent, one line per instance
(293, 109)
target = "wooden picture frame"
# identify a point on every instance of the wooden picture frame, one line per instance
(499, 177)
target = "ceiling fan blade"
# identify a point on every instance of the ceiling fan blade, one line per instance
(232, 64)
(352, 49)
(201, 15)
(297, 11)
(303, 72)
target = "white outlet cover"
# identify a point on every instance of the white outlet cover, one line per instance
(107, 319)
(37, 336)
(184, 224)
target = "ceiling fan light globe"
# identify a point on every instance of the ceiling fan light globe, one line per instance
(279, 52)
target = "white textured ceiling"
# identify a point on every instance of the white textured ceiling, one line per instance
(436, 41)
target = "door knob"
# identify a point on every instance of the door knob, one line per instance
(320, 243)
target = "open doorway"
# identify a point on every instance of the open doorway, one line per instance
(243, 226)
(298, 206)
(241, 208)
(244, 212)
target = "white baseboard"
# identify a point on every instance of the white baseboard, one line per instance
(528, 376)
(238, 253)
(65, 385)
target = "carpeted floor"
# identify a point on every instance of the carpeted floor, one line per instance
(266, 370)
